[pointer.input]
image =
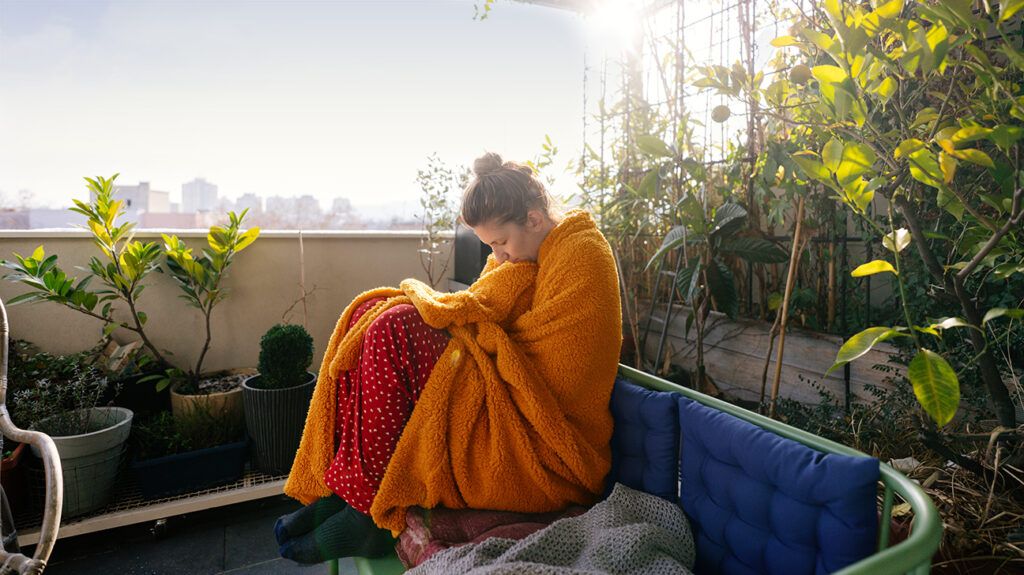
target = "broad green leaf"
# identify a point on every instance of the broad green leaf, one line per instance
(924, 116)
(783, 41)
(673, 239)
(1005, 136)
(873, 267)
(949, 202)
(970, 133)
(832, 154)
(811, 166)
(925, 168)
(860, 344)
(728, 218)
(974, 156)
(755, 250)
(886, 89)
(935, 385)
(857, 161)
(951, 322)
(829, 74)
(907, 147)
(996, 312)
(947, 164)
(1009, 8)
(889, 9)
(897, 240)
(653, 146)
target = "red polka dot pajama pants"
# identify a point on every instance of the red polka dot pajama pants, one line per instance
(376, 399)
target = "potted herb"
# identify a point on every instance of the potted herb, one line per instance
(174, 455)
(277, 399)
(90, 439)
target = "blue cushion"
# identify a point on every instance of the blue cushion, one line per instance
(645, 441)
(760, 503)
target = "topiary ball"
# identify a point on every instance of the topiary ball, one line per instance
(286, 351)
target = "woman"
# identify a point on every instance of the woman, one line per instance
(510, 381)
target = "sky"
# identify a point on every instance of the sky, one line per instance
(280, 97)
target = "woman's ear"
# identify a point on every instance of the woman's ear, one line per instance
(534, 220)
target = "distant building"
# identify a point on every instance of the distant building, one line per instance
(170, 220)
(139, 199)
(53, 218)
(250, 201)
(198, 196)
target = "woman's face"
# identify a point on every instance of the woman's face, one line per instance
(514, 242)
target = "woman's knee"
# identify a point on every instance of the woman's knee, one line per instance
(399, 315)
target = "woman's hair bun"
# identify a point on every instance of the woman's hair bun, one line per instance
(487, 164)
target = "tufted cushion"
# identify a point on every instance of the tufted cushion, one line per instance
(760, 503)
(645, 442)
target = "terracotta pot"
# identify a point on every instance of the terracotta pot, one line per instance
(227, 404)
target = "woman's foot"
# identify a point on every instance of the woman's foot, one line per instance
(308, 518)
(348, 533)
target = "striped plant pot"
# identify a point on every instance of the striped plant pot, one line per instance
(274, 419)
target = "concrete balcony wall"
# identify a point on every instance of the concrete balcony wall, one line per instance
(263, 283)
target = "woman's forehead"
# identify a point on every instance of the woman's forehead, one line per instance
(491, 231)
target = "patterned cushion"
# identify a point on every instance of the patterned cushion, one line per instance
(760, 503)
(645, 442)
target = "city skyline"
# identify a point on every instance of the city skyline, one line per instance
(338, 99)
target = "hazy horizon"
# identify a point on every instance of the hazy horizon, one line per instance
(328, 98)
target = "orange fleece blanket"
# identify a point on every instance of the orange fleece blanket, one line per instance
(514, 416)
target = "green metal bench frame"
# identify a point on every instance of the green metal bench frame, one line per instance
(913, 555)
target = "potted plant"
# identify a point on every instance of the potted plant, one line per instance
(128, 263)
(277, 399)
(65, 404)
(174, 455)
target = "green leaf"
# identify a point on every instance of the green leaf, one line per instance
(653, 146)
(857, 161)
(925, 168)
(829, 74)
(886, 89)
(996, 312)
(728, 218)
(860, 344)
(832, 154)
(907, 147)
(755, 250)
(783, 41)
(951, 322)
(673, 239)
(974, 156)
(970, 133)
(1009, 8)
(897, 240)
(1005, 136)
(723, 288)
(935, 385)
(39, 253)
(871, 268)
(811, 166)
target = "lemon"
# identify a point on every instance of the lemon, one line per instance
(799, 74)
